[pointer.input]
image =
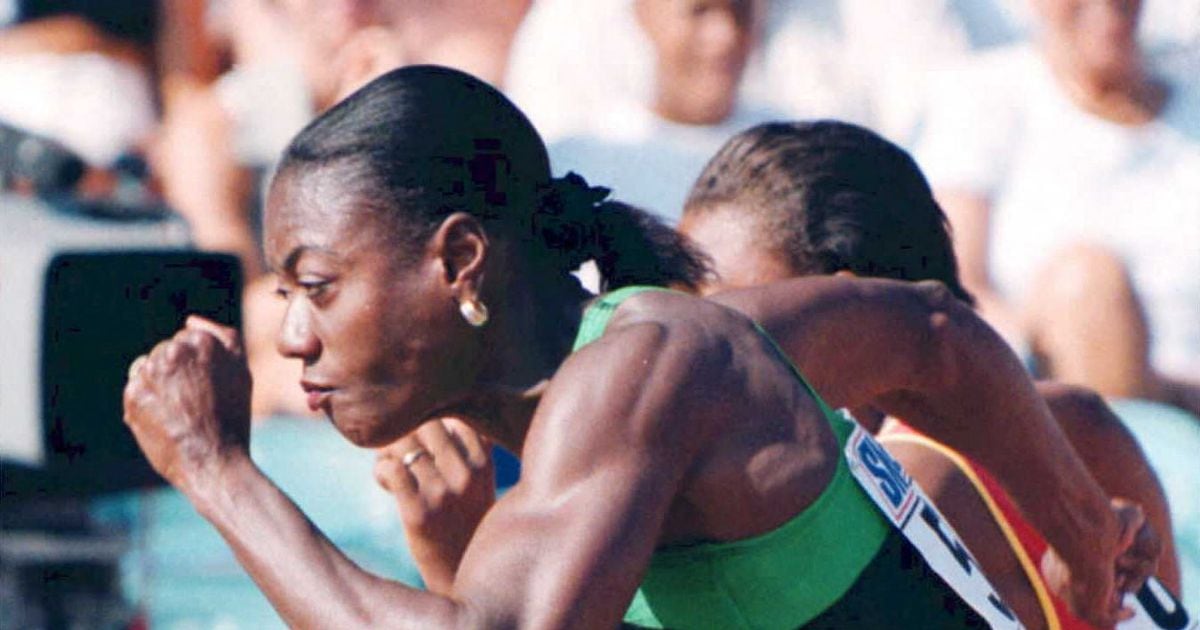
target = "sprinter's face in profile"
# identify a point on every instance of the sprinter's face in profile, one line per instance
(701, 49)
(383, 346)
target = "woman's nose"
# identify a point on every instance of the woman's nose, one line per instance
(296, 339)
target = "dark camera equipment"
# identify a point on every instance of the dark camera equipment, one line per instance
(101, 310)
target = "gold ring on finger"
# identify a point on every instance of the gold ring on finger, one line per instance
(412, 456)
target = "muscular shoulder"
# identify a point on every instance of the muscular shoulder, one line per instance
(824, 296)
(652, 380)
(669, 342)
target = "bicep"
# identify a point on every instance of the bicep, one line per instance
(606, 455)
(573, 558)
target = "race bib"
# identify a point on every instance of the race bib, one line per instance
(910, 511)
(907, 507)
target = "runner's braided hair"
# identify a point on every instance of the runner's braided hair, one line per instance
(831, 196)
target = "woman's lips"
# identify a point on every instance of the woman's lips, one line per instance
(317, 398)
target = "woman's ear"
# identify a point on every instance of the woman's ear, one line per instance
(461, 247)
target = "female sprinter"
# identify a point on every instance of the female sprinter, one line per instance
(677, 471)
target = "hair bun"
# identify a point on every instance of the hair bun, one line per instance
(574, 187)
(566, 219)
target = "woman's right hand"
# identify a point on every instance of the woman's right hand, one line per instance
(443, 480)
(1099, 598)
(187, 403)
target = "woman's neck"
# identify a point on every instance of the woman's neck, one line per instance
(533, 329)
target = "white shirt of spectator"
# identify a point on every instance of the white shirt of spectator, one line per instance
(1002, 127)
(647, 161)
(94, 105)
(269, 104)
(574, 58)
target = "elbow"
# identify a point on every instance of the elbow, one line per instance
(946, 313)
(1083, 412)
(430, 611)
(950, 327)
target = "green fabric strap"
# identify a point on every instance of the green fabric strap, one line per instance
(595, 318)
(781, 579)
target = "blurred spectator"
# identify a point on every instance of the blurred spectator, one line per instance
(574, 58)
(265, 92)
(1165, 24)
(650, 150)
(1067, 168)
(476, 37)
(891, 55)
(854, 61)
(818, 58)
(812, 64)
(584, 69)
(80, 73)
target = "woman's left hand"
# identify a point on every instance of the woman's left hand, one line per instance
(188, 403)
(443, 480)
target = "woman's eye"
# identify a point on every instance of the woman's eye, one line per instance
(282, 293)
(314, 289)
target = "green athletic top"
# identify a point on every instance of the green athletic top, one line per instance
(781, 579)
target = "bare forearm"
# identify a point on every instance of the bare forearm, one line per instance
(1115, 460)
(914, 351)
(308, 580)
(980, 401)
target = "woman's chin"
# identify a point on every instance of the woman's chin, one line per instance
(362, 431)
(358, 435)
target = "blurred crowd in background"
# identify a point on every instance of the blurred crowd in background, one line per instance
(1062, 138)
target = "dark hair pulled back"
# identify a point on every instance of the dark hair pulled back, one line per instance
(832, 196)
(423, 142)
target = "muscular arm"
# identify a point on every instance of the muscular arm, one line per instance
(566, 547)
(608, 453)
(1115, 460)
(306, 578)
(913, 351)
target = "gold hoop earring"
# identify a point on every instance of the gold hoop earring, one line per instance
(474, 312)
